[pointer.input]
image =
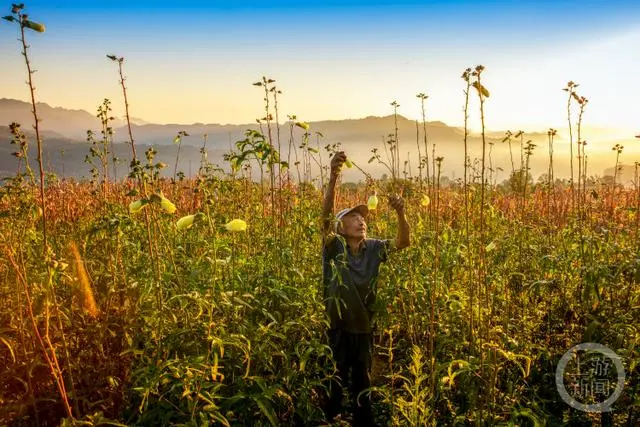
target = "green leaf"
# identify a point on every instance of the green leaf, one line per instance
(303, 125)
(528, 414)
(266, 409)
(9, 18)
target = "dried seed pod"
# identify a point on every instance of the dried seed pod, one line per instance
(236, 225)
(372, 203)
(35, 26)
(135, 207)
(481, 89)
(167, 205)
(185, 222)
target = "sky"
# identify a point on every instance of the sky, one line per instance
(196, 62)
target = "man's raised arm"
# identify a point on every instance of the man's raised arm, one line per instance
(402, 239)
(327, 206)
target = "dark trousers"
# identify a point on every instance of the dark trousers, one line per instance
(352, 353)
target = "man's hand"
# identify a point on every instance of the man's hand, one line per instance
(403, 239)
(397, 203)
(337, 161)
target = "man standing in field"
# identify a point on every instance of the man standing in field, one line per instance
(350, 264)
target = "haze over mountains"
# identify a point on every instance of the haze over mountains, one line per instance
(64, 132)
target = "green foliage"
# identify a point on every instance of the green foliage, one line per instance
(518, 182)
(228, 329)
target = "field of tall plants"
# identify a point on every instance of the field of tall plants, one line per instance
(171, 300)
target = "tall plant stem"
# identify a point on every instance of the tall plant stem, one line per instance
(424, 135)
(395, 140)
(551, 184)
(265, 83)
(482, 269)
(48, 349)
(582, 173)
(436, 267)
(419, 155)
(276, 92)
(32, 90)
(513, 167)
(126, 109)
(465, 76)
(570, 91)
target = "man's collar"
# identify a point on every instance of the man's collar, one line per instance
(361, 247)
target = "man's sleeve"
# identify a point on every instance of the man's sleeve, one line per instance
(331, 245)
(328, 239)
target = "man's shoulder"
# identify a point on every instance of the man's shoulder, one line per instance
(379, 243)
(329, 239)
(332, 242)
(380, 247)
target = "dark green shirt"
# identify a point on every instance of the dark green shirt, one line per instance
(350, 282)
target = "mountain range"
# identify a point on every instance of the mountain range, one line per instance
(64, 133)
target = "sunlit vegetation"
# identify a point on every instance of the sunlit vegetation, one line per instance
(145, 300)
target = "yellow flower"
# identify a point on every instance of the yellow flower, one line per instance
(135, 207)
(425, 201)
(185, 222)
(372, 203)
(236, 225)
(167, 206)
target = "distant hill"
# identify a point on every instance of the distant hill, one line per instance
(73, 124)
(370, 130)
(66, 157)
(64, 132)
(625, 176)
(68, 123)
(64, 129)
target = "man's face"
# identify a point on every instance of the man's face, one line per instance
(353, 225)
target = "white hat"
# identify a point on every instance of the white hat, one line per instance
(361, 209)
